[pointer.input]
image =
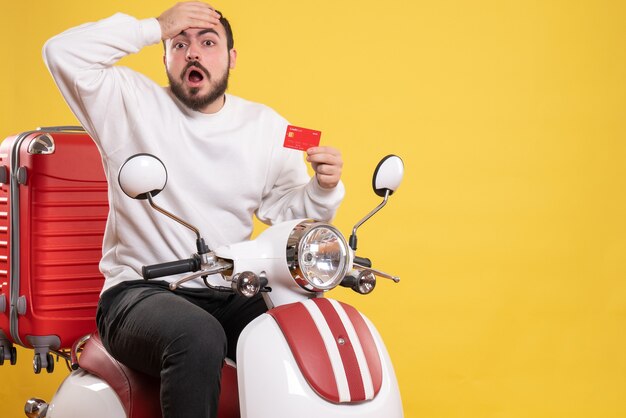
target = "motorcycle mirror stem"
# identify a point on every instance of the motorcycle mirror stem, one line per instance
(385, 181)
(200, 244)
(143, 176)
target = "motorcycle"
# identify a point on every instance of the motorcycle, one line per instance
(308, 356)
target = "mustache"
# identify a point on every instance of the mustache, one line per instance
(198, 66)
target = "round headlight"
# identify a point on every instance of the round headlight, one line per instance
(318, 256)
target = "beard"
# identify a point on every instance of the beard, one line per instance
(191, 98)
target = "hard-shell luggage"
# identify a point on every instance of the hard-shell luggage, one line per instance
(53, 210)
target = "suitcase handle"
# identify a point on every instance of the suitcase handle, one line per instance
(168, 269)
(61, 128)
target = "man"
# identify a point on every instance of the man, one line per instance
(225, 162)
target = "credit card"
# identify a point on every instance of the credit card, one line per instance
(301, 138)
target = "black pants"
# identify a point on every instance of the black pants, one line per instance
(180, 336)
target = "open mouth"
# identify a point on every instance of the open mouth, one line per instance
(195, 76)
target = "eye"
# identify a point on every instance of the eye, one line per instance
(178, 45)
(208, 42)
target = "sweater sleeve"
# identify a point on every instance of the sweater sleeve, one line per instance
(81, 61)
(291, 194)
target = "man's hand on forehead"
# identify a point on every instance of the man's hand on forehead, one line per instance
(192, 14)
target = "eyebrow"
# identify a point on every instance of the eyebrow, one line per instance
(202, 32)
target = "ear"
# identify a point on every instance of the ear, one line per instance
(233, 58)
(165, 53)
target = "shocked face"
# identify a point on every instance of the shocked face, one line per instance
(198, 63)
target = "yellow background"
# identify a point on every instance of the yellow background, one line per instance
(509, 229)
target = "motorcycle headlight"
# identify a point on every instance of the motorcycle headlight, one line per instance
(317, 255)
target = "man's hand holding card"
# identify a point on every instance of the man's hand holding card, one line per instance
(325, 161)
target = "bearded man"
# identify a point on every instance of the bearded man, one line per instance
(225, 163)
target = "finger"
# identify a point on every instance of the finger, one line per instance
(323, 150)
(326, 169)
(202, 23)
(325, 159)
(322, 169)
(327, 182)
(184, 15)
(203, 13)
(205, 10)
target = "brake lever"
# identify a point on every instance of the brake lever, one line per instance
(216, 267)
(379, 273)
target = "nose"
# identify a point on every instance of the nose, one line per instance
(192, 54)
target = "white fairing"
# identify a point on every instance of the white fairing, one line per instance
(268, 253)
(271, 385)
(84, 395)
(389, 174)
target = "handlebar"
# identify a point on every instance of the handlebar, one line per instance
(362, 261)
(170, 268)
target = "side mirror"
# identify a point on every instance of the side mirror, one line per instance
(386, 180)
(142, 175)
(388, 175)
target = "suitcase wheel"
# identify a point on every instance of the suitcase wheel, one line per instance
(12, 355)
(50, 365)
(38, 363)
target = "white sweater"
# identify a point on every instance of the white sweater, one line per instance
(222, 167)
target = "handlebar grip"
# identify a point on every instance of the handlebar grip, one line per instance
(362, 261)
(168, 269)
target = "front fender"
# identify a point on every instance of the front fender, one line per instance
(271, 383)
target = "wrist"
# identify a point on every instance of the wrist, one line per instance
(151, 31)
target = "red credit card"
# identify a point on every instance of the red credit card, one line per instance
(301, 138)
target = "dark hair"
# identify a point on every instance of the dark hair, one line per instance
(230, 40)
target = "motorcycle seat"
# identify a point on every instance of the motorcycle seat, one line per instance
(138, 392)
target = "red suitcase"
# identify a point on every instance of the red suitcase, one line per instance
(53, 210)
